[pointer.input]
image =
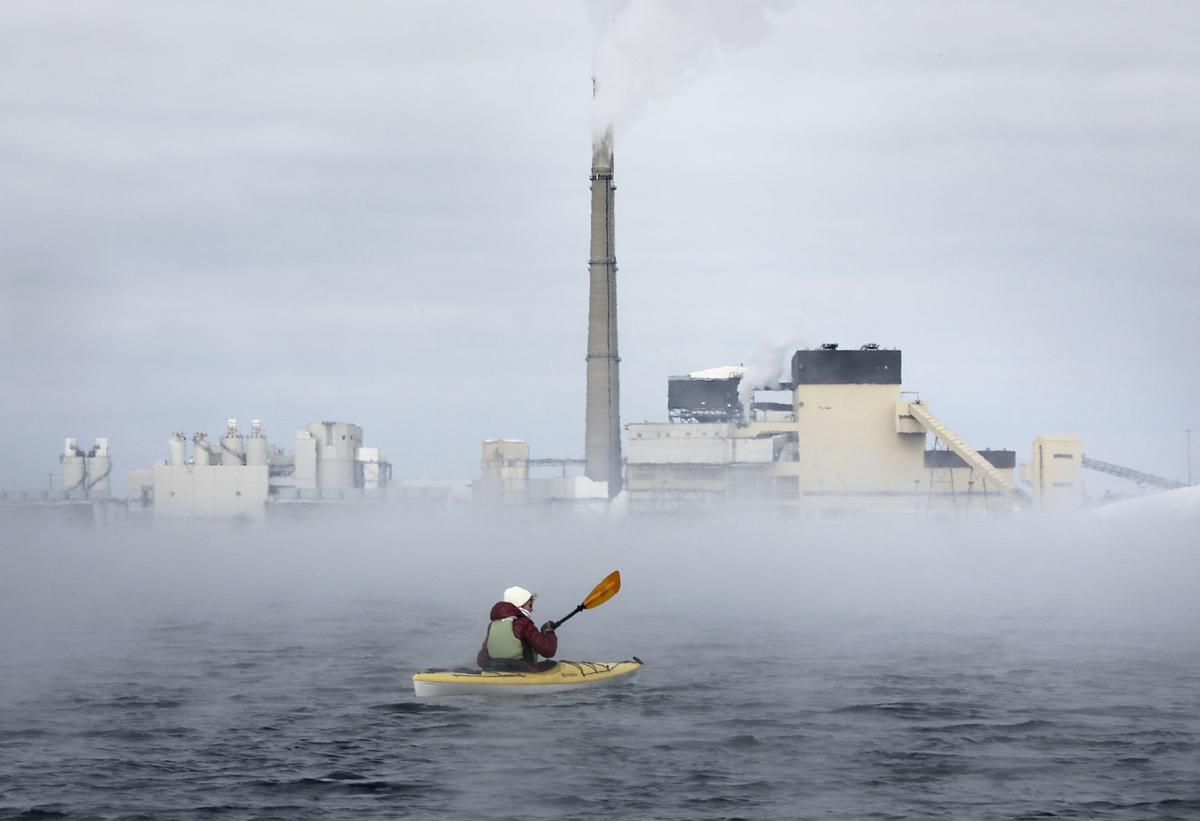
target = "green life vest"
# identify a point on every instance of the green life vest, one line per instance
(502, 643)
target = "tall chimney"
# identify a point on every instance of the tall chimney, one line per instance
(602, 449)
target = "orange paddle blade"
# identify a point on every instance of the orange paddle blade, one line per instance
(604, 591)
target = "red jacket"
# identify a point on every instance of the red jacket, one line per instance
(532, 639)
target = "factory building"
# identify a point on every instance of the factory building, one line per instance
(508, 481)
(1055, 472)
(840, 436)
(242, 476)
(845, 438)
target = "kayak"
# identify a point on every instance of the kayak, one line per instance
(566, 675)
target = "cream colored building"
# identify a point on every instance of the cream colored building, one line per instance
(850, 440)
(505, 472)
(1055, 472)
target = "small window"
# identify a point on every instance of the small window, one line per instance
(1064, 456)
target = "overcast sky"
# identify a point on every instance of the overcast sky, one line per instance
(377, 212)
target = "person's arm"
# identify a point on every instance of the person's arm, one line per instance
(544, 644)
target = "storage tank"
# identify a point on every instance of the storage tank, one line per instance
(99, 469)
(74, 468)
(202, 453)
(233, 447)
(336, 446)
(177, 450)
(256, 446)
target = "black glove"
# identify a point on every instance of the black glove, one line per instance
(548, 627)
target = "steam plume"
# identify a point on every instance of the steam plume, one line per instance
(765, 368)
(647, 50)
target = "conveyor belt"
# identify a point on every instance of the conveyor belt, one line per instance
(1131, 474)
(968, 454)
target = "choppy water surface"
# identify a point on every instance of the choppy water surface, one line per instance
(793, 670)
(282, 710)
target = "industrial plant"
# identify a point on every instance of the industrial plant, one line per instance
(838, 436)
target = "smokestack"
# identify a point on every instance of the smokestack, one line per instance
(602, 448)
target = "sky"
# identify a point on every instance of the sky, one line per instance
(377, 213)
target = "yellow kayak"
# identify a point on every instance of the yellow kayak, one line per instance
(566, 675)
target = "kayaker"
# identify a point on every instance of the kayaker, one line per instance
(513, 641)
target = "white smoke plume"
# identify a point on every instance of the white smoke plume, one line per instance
(647, 50)
(766, 367)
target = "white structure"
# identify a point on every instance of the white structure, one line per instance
(239, 476)
(202, 451)
(86, 475)
(99, 469)
(681, 466)
(204, 491)
(177, 450)
(652, 443)
(233, 447)
(336, 444)
(257, 452)
(304, 473)
(74, 469)
(374, 467)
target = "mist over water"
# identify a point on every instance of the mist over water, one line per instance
(795, 667)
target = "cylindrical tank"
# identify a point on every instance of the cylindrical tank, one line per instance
(337, 443)
(233, 447)
(177, 450)
(74, 468)
(202, 451)
(256, 446)
(99, 485)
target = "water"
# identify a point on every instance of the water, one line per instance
(284, 704)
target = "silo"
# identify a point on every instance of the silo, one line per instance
(99, 485)
(74, 468)
(256, 446)
(177, 449)
(336, 446)
(233, 447)
(202, 453)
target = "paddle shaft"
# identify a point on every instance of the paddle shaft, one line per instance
(578, 609)
(599, 595)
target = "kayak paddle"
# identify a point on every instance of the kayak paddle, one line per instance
(599, 595)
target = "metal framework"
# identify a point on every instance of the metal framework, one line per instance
(982, 467)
